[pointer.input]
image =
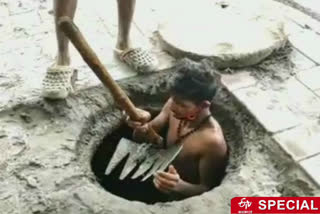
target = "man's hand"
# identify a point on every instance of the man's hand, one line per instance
(167, 182)
(145, 117)
(141, 129)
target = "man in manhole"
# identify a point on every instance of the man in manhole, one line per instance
(188, 120)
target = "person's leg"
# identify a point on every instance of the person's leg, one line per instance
(57, 83)
(63, 8)
(137, 58)
(125, 15)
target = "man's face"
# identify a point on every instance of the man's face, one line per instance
(184, 109)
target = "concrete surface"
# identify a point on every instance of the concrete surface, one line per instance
(46, 146)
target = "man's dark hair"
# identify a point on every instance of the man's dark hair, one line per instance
(195, 81)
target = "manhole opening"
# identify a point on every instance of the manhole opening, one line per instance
(134, 189)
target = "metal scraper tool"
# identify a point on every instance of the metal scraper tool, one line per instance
(147, 157)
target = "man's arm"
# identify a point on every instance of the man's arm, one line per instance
(170, 182)
(211, 161)
(162, 118)
(140, 130)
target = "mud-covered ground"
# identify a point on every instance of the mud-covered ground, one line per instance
(49, 146)
(46, 150)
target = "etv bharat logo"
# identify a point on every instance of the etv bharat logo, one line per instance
(246, 204)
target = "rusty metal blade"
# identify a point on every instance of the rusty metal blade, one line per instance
(136, 157)
(147, 163)
(164, 158)
(145, 157)
(123, 149)
(170, 155)
(154, 168)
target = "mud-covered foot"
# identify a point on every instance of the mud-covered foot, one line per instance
(58, 82)
(138, 59)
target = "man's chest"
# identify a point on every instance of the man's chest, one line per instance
(189, 139)
(187, 162)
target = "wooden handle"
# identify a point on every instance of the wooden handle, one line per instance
(89, 56)
(73, 33)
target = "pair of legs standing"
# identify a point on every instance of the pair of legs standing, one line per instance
(57, 82)
(68, 8)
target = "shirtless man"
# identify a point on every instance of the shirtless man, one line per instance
(187, 113)
(57, 83)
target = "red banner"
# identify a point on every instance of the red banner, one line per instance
(260, 205)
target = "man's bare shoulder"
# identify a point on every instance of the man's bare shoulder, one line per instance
(213, 141)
